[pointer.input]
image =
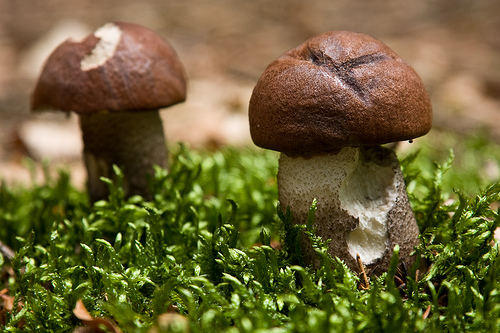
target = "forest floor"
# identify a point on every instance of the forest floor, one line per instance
(226, 44)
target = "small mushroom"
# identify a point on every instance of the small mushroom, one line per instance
(116, 80)
(327, 105)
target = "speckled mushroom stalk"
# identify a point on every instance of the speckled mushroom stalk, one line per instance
(328, 105)
(362, 205)
(116, 80)
(133, 141)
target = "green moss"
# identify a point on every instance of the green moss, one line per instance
(203, 247)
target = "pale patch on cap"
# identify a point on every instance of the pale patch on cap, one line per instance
(110, 35)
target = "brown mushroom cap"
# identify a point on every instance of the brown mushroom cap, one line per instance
(142, 73)
(335, 90)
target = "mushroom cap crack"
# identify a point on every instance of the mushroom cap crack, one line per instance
(345, 70)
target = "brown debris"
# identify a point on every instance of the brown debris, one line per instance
(170, 321)
(95, 325)
(427, 312)
(6, 251)
(363, 284)
(7, 305)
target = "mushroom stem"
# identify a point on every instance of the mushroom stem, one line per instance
(134, 141)
(362, 205)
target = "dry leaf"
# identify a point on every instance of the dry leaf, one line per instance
(6, 305)
(96, 325)
(170, 322)
(427, 312)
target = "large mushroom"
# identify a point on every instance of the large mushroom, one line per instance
(328, 105)
(116, 80)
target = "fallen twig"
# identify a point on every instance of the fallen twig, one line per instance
(6, 251)
(364, 278)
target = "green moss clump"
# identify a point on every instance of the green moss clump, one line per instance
(213, 247)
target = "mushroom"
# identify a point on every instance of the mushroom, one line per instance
(328, 105)
(116, 80)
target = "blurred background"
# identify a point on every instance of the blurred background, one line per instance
(226, 44)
